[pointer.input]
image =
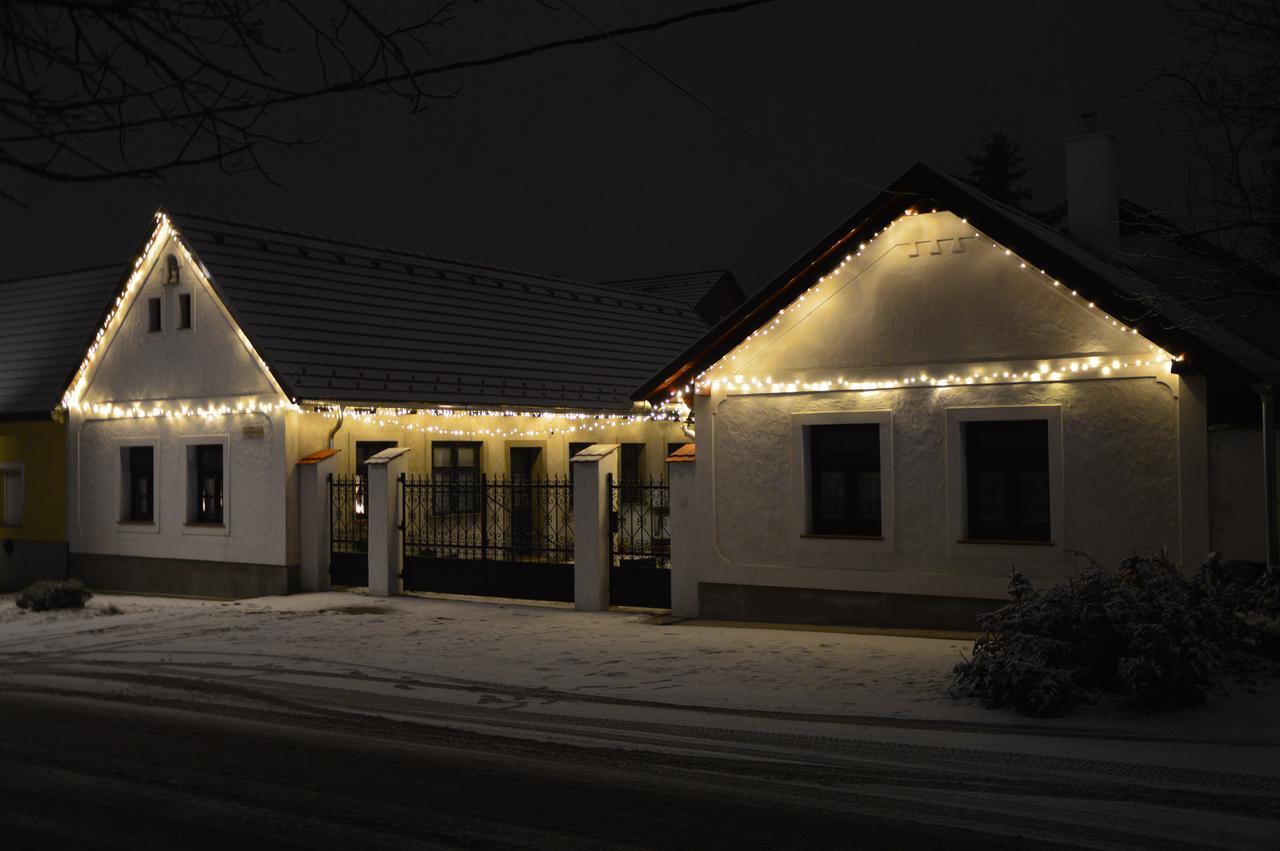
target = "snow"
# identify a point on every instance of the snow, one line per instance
(617, 656)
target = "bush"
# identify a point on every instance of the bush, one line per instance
(64, 594)
(1143, 632)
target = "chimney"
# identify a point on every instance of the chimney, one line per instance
(1093, 186)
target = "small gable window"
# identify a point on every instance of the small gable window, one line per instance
(155, 314)
(184, 311)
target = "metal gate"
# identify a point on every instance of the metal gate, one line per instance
(639, 543)
(348, 531)
(490, 537)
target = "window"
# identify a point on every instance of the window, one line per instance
(629, 471)
(455, 472)
(1006, 489)
(184, 311)
(844, 479)
(154, 314)
(208, 483)
(139, 476)
(12, 492)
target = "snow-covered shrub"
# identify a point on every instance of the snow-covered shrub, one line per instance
(62, 594)
(1142, 631)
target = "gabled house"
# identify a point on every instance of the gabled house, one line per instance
(944, 388)
(235, 351)
(46, 323)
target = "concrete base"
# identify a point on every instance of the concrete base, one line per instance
(23, 562)
(183, 577)
(840, 608)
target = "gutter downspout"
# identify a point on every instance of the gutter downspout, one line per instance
(337, 425)
(1266, 392)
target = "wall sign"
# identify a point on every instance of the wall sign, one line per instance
(252, 432)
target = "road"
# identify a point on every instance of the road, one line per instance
(153, 754)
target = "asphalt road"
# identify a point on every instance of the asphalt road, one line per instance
(91, 773)
(174, 768)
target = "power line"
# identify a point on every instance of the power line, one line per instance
(612, 35)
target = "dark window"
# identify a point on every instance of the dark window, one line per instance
(844, 474)
(141, 478)
(154, 314)
(208, 484)
(455, 468)
(1007, 480)
(184, 310)
(629, 471)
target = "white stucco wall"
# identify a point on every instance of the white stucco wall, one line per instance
(208, 366)
(929, 298)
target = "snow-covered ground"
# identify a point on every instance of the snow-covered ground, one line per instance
(631, 657)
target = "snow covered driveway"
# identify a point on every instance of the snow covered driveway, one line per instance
(869, 710)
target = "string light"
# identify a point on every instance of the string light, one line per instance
(723, 374)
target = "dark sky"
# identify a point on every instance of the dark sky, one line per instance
(584, 163)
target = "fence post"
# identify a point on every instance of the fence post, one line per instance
(386, 535)
(591, 496)
(680, 497)
(314, 517)
(484, 516)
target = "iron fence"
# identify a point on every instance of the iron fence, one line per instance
(640, 523)
(524, 519)
(348, 523)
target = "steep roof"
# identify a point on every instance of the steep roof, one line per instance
(1209, 342)
(46, 324)
(687, 287)
(349, 322)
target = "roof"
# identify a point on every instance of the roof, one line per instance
(688, 287)
(349, 322)
(1164, 318)
(46, 325)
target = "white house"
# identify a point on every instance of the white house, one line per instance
(231, 352)
(944, 388)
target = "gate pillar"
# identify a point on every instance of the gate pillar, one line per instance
(386, 536)
(684, 577)
(591, 499)
(314, 518)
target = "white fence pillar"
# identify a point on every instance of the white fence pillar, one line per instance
(386, 553)
(591, 531)
(683, 526)
(314, 517)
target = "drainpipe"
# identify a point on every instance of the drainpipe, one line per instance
(1266, 392)
(337, 425)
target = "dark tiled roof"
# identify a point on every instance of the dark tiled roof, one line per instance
(1213, 343)
(351, 322)
(46, 324)
(688, 288)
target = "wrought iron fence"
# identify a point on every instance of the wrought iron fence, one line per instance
(491, 518)
(640, 522)
(348, 523)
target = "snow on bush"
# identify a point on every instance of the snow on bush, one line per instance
(44, 594)
(1142, 631)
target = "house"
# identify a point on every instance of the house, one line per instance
(236, 355)
(944, 388)
(46, 324)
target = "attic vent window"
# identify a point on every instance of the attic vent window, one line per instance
(153, 315)
(171, 269)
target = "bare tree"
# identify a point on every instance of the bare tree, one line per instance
(1227, 104)
(96, 90)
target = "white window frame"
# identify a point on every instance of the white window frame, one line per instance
(802, 541)
(956, 490)
(188, 444)
(13, 481)
(123, 525)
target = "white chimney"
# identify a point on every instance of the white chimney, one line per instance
(1093, 186)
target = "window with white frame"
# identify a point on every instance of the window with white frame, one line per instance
(137, 468)
(12, 494)
(1005, 475)
(842, 482)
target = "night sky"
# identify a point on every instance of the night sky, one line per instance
(584, 163)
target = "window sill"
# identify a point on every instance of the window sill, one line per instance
(195, 525)
(151, 523)
(823, 537)
(1005, 542)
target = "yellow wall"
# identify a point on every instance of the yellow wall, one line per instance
(41, 448)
